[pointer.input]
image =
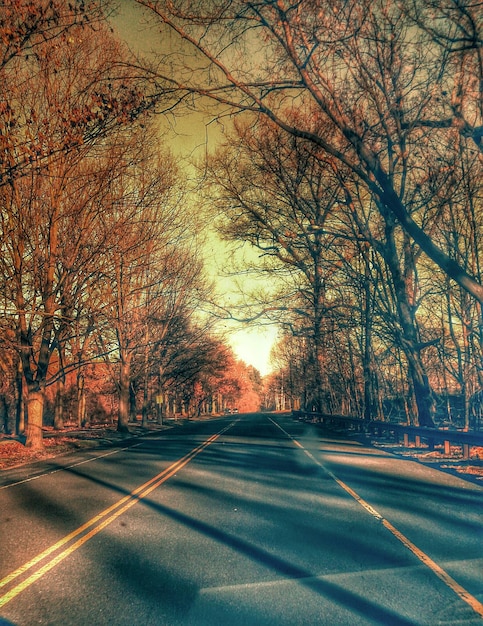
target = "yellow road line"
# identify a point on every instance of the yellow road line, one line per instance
(99, 522)
(461, 592)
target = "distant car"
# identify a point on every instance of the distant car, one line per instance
(234, 410)
(227, 411)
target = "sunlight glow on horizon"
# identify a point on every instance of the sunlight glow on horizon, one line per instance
(254, 345)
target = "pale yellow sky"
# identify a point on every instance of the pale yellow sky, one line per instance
(254, 346)
(188, 138)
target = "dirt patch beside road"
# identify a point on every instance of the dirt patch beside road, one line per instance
(453, 462)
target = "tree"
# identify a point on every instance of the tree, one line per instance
(11, 408)
(375, 76)
(26, 25)
(143, 266)
(59, 105)
(49, 48)
(456, 29)
(189, 361)
(460, 232)
(312, 229)
(273, 194)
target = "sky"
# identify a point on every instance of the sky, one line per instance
(252, 344)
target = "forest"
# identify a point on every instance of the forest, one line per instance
(102, 279)
(347, 181)
(352, 164)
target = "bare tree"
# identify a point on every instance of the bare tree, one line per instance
(312, 228)
(375, 75)
(153, 276)
(275, 195)
(60, 103)
(455, 28)
(42, 45)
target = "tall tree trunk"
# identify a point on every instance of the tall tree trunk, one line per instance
(59, 405)
(35, 403)
(410, 342)
(132, 403)
(371, 406)
(20, 403)
(162, 399)
(4, 426)
(81, 400)
(144, 410)
(422, 391)
(124, 396)
(467, 407)
(161, 409)
(318, 356)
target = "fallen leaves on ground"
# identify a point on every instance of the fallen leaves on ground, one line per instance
(13, 453)
(453, 461)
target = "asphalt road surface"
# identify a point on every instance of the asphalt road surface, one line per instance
(242, 520)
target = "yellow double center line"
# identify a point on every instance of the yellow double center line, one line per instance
(96, 524)
(473, 602)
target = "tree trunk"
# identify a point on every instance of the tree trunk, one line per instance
(422, 390)
(161, 409)
(371, 406)
(59, 405)
(35, 403)
(410, 404)
(144, 410)
(124, 397)
(466, 399)
(20, 404)
(4, 426)
(81, 400)
(132, 403)
(318, 358)
(410, 342)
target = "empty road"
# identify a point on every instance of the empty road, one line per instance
(243, 520)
